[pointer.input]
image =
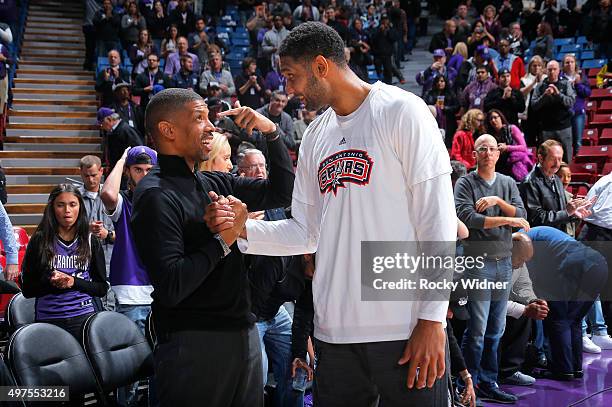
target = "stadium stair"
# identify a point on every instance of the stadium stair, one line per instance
(52, 120)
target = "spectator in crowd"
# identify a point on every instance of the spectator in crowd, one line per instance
(329, 18)
(157, 22)
(549, 10)
(168, 45)
(200, 40)
(173, 62)
(544, 42)
(475, 92)
(217, 74)
(100, 225)
(552, 102)
(186, 78)
(565, 175)
(128, 277)
(570, 275)
(443, 98)
(183, 17)
(471, 126)
(491, 22)
(214, 92)
(359, 35)
(463, 23)
(305, 12)
(273, 38)
(382, 50)
(509, 100)
(118, 135)
(523, 308)
(488, 202)
(372, 18)
(140, 51)
(107, 26)
(437, 68)
(509, 11)
(509, 61)
(278, 7)
(600, 30)
(518, 43)
(515, 158)
(91, 8)
(127, 110)
(275, 79)
(209, 307)
(152, 76)
(445, 39)
(11, 249)
(467, 73)
(460, 54)
(219, 157)
(274, 112)
(64, 267)
(534, 77)
(301, 125)
(109, 77)
(583, 91)
(250, 87)
(399, 27)
(479, 37)
(132, 23)
(543, 192)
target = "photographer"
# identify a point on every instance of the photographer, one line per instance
(250, 86)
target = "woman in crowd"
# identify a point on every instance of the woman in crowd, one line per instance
(479, 37)
(460, 54)
(64, 267)
(565, 174)
(158, 23)
(131, 25)
(219, 158)
(491, 22)
(515, 158)
(446, 104)
(544, 43)
(140, 51)
(583, 91)
(463, 142)
(535, 75)
(168, 45)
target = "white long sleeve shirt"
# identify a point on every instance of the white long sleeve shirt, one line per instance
(381, 173)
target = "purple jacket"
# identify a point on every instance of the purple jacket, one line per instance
(583, 91)
(425, 78)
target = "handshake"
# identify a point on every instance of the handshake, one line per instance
(226, 216)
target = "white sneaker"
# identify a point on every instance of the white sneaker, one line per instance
(603, 341)
(588, 346)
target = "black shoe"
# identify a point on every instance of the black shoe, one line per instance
(495, 395)
(563, 377)
(578, 374)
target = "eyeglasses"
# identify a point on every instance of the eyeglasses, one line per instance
(253, 167)
(483, 150)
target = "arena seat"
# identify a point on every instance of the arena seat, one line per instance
(605, 107)
(118, 351)
(601, 94)
(20, 312)
(600, 154)
(607, 169)
(578, 189)
(606, 137)
(590, 137)
(593, 63)
(41, 354)
(584, 172)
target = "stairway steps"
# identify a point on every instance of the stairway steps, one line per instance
(44, 38)
(28, 198)
(51, 133)
(52, 140)
(47, 102)
(58, 86)
(41, 71)
(63, 171)
(52, 114)
(57, 126)
(23, 208)
(45, 154)
(56, 46)
(24, 146)
(32, 220)
(26, 164)
(53, 20)
(29, 189)
(38, 82)
(56, 95)
(68, 61)
(51, 120)
(40, 52)
(56, 108)
(30, 178)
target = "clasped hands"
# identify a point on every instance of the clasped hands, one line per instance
(226, 216)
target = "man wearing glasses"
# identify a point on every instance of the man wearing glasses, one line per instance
(144, 83)
(490, 206)
(474, 94)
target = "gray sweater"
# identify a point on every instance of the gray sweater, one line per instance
(495, 242)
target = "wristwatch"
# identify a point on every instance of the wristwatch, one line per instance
(224, 246)
(273, 135)
(110, 237)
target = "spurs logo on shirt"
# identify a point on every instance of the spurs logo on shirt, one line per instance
(346, 166)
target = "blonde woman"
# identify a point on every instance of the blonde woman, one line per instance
(460, 54)
(219, 158)
(463, 142)
(535, 75)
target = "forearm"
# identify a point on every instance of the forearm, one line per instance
(506, 208)
(110, 190)
(491, 222)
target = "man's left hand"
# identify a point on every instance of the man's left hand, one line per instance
(425, 352)
(249, 119)
(485, 203)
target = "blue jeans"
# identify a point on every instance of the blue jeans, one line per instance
(577, 128)
(596, 320)
(128, 395)
(487, 321)
(275, 339)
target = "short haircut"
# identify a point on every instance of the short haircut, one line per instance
(89, 161)
(311, 39)
(142, 158)
(246, 62)
(166, 104)
(115, 116)
(546, 146)
(185, 58)
(242, 156)
(278, 93)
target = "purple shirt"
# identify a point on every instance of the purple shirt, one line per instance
(69, 303)
(173, 64)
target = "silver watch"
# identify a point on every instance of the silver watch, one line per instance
(224, 246)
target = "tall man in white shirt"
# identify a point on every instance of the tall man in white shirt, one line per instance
(371, 168)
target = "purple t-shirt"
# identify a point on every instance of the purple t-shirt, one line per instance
(70, 303)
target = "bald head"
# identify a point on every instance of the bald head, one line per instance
(552, 68)
(522, 249)
(485, 139)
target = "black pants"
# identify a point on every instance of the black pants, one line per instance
(512, 346)
(563, 327)
(90, 46)
(73, 325)
(385, 64)
(363, 374)
(209, 368)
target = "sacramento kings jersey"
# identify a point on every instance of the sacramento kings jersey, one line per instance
(69, 303)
